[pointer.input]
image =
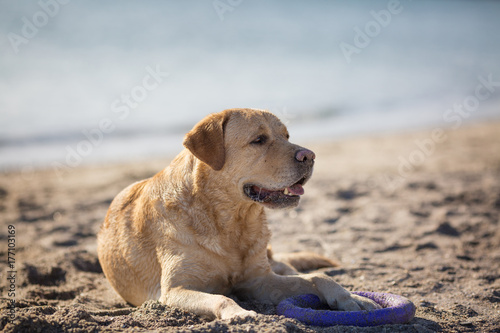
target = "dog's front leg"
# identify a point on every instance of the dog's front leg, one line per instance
(194, 292)
(275, 288)
(204, 304)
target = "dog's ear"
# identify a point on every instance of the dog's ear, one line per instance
(206, 140)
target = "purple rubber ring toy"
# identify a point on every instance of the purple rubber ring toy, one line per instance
(307, 309)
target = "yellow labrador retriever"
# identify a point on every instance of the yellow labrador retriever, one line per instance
(197, 231)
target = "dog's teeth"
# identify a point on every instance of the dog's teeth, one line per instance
(286, 191)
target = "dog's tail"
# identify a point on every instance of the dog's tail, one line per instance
(302, 261)
(305, 261)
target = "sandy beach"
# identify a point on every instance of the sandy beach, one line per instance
(415, 214)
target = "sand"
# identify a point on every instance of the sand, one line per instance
(415, 214)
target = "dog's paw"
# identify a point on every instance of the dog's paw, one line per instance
(356, 303)
(239, 314)
(366, 303)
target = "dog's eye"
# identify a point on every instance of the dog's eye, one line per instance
(261, 139)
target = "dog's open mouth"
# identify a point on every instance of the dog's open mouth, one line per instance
(288, 196)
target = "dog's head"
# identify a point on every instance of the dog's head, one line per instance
(250, 148)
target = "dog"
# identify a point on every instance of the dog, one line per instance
(196, 232)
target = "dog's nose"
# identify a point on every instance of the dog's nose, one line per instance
(303, 155)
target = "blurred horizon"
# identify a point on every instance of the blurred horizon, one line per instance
(116, 81)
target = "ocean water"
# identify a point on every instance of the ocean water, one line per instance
(100, 81)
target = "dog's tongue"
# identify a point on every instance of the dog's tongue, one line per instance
(296, 189)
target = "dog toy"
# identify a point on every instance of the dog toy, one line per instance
(309, 310)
